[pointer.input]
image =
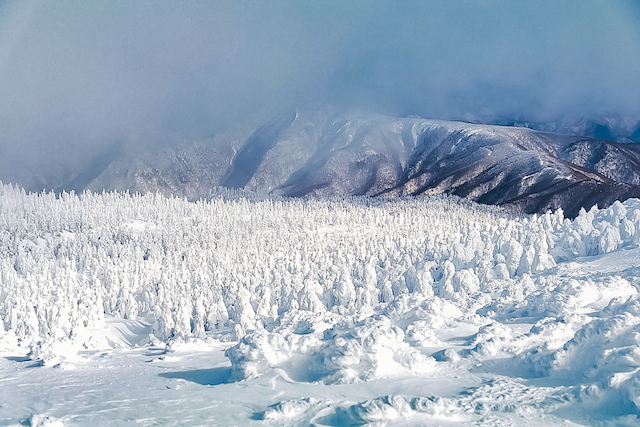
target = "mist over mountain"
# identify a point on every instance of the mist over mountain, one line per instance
(337, 155)
(76, 78)
(611, 127)
(84, 85)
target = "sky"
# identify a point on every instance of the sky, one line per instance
(77, 77)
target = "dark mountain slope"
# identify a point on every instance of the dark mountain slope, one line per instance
(377, 155)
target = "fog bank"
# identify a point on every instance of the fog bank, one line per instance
(78, 77)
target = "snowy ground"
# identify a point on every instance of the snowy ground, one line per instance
(118, 309)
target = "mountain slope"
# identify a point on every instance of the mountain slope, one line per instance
(338, 155)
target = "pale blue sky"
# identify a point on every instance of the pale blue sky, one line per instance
(76, 75)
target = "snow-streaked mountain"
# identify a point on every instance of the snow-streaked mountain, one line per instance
(366, 154)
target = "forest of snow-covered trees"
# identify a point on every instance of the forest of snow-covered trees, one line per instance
(331, 291)
(241, 262)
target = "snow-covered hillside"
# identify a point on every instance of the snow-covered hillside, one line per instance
(118, 308)
(366, 154)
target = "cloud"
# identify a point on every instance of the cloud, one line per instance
(76, 77)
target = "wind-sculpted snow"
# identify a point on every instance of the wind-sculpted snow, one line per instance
(344, 291)
(349, 351)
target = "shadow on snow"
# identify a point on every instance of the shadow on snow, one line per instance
(215, 376)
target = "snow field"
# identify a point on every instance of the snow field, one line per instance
(340, 292)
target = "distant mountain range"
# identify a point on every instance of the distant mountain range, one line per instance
(611, 127)
(367, 154)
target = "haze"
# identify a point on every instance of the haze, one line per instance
(78, 77)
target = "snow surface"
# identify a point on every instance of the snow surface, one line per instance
(121, 309)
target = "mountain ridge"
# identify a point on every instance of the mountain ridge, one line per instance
(371, 155)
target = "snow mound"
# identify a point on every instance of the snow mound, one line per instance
(351, 351)
(604, 353)
(44, 421)
(488, 404)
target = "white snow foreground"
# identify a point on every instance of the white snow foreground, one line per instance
(412, 311)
